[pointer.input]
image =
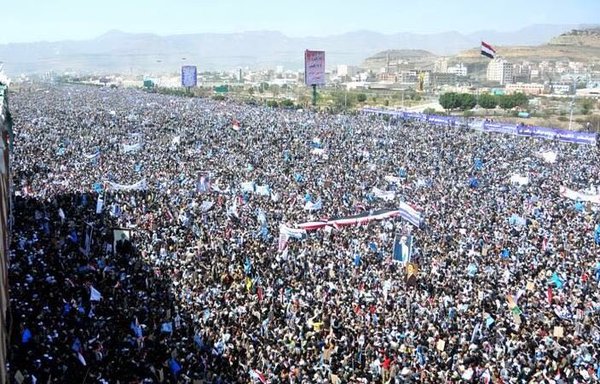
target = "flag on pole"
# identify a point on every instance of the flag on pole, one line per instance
(255, 374)
(95, 295)
(88, 239)
(283, 239)
(487, 50)
(81, 359)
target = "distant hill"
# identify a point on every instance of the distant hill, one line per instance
(135, 53)
(577, 45)
(579, 37)
(397, 58)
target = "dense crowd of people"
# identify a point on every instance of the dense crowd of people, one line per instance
(140, 254)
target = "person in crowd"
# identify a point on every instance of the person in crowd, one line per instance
(208, 289)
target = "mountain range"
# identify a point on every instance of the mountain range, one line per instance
(140, 53)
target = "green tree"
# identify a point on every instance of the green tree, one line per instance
(450, 100)
(487, 101)
(287, 103)
(429, 111)
(520, 99)
(361, 97)
(467, 101)
(506, 102)
(586, 106)
(343, 100)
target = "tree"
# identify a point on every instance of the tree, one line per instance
(487, 101)
(361, 97)
(520, 99)
(467, 101)
(343, 100)
(287, 103)
(450, 100)
(275, 90)
(506, 102)
(586, 106)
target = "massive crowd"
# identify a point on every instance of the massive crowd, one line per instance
(195, 288)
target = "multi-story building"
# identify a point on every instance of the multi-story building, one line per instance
(458, 70)
(441, 66)
(501, 71)
(522, 71)
(527, 88)
(346, 70)
(441, 79)
(562, 89)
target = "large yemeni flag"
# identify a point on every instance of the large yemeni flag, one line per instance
(487, 50)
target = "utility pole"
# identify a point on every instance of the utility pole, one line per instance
(573, 101)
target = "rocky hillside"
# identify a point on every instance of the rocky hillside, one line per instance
(579, 38)
(578, 45)
(402, 58)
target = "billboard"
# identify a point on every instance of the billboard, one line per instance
(189, 76)
(314, 67)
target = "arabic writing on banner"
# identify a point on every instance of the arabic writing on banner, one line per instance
(314, 67)
(511, 129)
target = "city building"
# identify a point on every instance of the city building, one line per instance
(442, 78)
(346, 70)
(527, 88)
(501, 71)
(522, 73)
(458, 69)
(441, 65)
(562, 88)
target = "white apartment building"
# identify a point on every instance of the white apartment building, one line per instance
(441, 66)
(346, 70)
(501, 71)
(458, 70)
(527, 88)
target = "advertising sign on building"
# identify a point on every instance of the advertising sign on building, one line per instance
(314, 67)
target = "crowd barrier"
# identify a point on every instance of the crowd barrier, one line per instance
(564, 135)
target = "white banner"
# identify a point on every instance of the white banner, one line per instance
(549, 156)
(139, 186)
(518, 179)
(131, 148)
(247, 186)
(579, 196)
(385, 195)
(93, 156)
(263, 190)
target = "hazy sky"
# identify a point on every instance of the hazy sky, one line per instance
(51, 20)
